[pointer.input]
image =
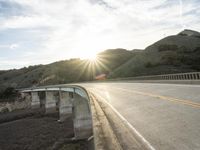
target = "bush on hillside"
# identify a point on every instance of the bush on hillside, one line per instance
(170, 59)
(8, 94)
(197, 49)
(166, 47)
(150, 65)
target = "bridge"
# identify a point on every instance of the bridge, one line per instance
(146, 112)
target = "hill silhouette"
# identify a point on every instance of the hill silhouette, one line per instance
(173, 54)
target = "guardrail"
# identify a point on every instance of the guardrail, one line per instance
(81, 96)
(69, 100)
(177, 76)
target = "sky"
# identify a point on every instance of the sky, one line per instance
(43, 31)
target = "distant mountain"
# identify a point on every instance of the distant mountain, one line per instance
(187, 40)
(137, 50)
(67, 71)
(176, 53)
(188, 32)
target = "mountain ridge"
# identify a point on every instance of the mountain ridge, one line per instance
(172, 54)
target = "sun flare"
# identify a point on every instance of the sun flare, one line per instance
(89, 56)
(92, 57)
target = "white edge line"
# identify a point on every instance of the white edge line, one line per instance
(145, 142)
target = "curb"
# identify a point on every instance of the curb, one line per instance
(126, 135)
(104, 137)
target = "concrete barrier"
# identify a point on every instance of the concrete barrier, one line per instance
(50, 105)
(82, 117)
(42, 97)
(70, 100)
(35, 100)
(176, 76)
(65, 105)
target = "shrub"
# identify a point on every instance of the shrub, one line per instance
(166, 47)
(8, 94)
(148, 65)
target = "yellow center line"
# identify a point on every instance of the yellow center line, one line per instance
(183, 101)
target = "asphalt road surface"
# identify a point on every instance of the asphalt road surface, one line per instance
(166, 115)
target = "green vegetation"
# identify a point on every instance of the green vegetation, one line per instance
(8, 94)
(173, 54)
(167, 47)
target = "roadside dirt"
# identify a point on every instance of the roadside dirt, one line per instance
(36, 132)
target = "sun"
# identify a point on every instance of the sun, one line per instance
(89, 56)
(92, 57)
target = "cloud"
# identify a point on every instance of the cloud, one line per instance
(10, 8)
(9, 46)
(102, 3)
(49, 30)
(18, 22)
(13, 46)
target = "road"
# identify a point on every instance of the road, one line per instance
(166, 115)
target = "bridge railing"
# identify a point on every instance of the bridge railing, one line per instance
(67, 100)
(176, 76)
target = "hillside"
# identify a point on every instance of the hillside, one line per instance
(66, 71)
(173, 54)
(176, 53)
(186, 40)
